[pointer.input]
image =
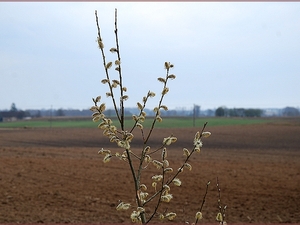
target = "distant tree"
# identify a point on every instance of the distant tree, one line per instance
(236, 112)
(290, 111)
(210, 112)
(253, 112)
(60, 112)
(21, 114)
(13, 108)
(38, 113)
(240, 112)
(220, 111)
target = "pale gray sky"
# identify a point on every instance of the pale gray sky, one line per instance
(225, 54)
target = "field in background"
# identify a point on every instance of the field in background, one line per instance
(54, 175)
(168, 122)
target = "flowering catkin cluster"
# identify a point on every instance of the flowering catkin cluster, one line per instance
(161, 181)
(122, 138)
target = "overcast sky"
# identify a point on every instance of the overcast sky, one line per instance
(225, 54)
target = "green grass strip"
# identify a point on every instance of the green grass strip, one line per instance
(179, 122)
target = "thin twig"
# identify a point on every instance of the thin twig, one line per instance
(222, 210)
(203, 200)
(120, 73)
(158, 108)
(106, 69)
(160, 192)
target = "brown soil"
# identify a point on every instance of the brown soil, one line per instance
(56, 176)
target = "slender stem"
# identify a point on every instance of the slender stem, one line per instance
(203, 200)
(106, 69)
(120, 73)
(204, 125)
(135, 177)
(159, 105)
(136, 182)
(161, 147)
(221, 210)
(187, 158)
(140, 113)
(204, 197)
(139, 173)
(160, 192)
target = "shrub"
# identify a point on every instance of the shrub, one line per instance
(138, 161)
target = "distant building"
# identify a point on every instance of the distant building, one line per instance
(272, 112)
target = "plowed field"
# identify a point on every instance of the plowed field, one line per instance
(56, 176)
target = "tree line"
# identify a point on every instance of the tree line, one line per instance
(238, 112)
(222, 111)
(242, 112)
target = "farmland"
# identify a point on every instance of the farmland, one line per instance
(51, 172)
(168, 122)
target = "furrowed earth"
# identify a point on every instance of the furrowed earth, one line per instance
(54, 175)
